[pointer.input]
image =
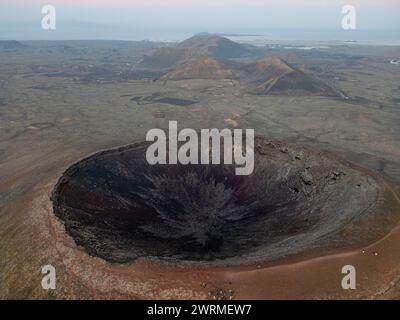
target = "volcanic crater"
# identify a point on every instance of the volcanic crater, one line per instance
(297, 201)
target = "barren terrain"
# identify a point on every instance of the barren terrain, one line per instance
(61, 102)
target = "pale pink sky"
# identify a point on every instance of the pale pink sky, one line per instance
(194, 3)
(206, 15)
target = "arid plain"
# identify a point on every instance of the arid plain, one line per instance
(63, 101)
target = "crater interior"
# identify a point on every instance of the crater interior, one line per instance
(298, 200)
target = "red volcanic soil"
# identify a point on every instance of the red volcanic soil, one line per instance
(205, 68)
(268, 76)
(363, 237)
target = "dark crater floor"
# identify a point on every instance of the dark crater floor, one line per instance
(120, 208)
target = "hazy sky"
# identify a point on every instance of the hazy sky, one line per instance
(121, 18)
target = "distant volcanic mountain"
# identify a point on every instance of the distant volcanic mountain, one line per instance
(273, 75)
(204, 68)
(192, 49)
(167, 58)
(10, 44)
(205, 56)
(216, 46)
